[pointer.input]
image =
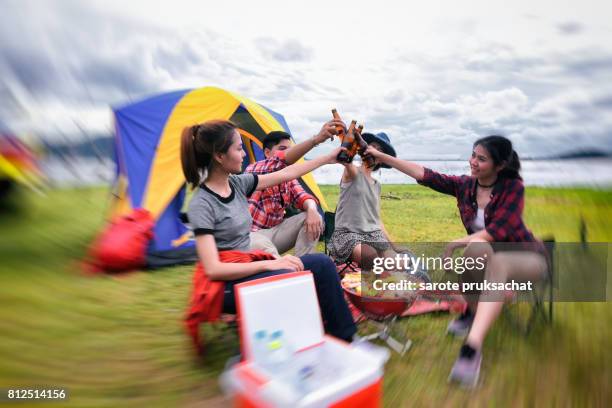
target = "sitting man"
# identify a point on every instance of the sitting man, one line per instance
(271, 232)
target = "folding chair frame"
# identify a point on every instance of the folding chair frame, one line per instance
(329, 218)
(538, 309)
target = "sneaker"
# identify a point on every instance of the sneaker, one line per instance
(460, 327)
(466, 369)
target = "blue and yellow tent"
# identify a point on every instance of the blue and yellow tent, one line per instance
(18, 164)
(147, 151)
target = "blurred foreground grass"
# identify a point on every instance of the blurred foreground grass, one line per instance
(119, 341)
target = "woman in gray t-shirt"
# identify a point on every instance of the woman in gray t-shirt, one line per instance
(211, 157)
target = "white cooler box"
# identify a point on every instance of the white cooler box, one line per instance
(342, 376)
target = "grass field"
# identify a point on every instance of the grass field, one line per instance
(119, 341)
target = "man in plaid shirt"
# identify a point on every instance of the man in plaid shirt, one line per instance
(271, 232)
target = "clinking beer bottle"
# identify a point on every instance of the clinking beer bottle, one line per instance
(339, 128)
(348, 142)
(363, 145)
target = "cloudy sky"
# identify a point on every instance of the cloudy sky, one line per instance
(434, 75)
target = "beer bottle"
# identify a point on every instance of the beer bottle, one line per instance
(363, 145)
(348, 142)
(339, 128)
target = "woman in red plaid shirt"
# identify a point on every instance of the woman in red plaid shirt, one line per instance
(490, 203)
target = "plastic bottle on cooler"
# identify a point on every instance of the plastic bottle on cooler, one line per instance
(260, 339)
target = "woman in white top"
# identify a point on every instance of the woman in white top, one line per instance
(490, 203)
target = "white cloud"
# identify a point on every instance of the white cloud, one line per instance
(570, 27)
(433, 76)
(492, 107)
(286, 50)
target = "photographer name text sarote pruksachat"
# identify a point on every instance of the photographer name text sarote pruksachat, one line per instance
(485, 286)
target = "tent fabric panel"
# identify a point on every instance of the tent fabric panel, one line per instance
(309, 184)
(262, 116)
(268, 121)
(180, 256)
(243, 119)
(257, 151)
(254, 152)
(9, 169)
(117, 153)
(169, 227)
(139, 127)
(279, 118)
(166, 175)
(144, 134)
(121, 204)
(252, 135)
(250, 155)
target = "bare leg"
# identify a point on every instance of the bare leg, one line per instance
(477, 248)
(364, 255)
(356, 254)
(502, 267)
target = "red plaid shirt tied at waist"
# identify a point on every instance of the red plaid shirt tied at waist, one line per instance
(207, 295)
(268, 206)
(503, 214)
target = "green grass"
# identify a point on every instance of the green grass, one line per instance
(119, 340)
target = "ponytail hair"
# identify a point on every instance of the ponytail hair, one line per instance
(512, 167)
(198, 145)
(502, 153)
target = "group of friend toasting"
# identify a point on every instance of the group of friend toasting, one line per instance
(241, 211)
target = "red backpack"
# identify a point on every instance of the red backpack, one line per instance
(122, 245)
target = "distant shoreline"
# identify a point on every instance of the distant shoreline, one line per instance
(564, 187)
(591, 172)
(101, 147)
(564, 157)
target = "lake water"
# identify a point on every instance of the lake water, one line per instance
(560, 173)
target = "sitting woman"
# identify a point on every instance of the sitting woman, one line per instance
(490, 203)
(359, 233)
(211, 157)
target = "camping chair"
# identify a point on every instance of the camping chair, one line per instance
(523, 315)
(329, 219)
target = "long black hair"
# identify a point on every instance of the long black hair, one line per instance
(501, 151)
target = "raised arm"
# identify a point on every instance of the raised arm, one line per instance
(296, 170)
(328, 131)
(350, 172)
(217, 270)
(414, 170)
(443, 183)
